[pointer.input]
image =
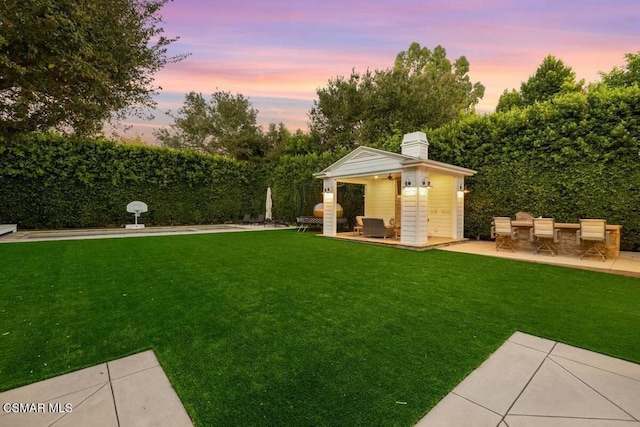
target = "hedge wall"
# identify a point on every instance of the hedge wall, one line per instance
(575, 156)
(296, 191)
(53, 182)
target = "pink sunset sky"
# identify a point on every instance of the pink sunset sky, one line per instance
(277, 53)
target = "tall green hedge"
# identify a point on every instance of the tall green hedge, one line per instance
(575, 156)
(296, 191)
(53, 182)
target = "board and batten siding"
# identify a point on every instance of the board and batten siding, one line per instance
(329, 220)
(442, 206)
(380, 199)
(459, 217)
(414, 216)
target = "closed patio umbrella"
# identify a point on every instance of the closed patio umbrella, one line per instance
(269, 214)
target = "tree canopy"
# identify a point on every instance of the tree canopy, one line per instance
(423, 89)
(225, 125)
(72, 65)
(550, 79)
(624, 76)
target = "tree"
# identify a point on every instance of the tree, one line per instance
(508, 100)
(552, 78)
(341, 110)
(71, 65)
(624, 76)
(422, 90)
(224, 125)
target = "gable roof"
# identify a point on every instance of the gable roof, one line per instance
(362, 155)
(370, 161)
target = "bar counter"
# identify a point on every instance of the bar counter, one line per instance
(567, 243)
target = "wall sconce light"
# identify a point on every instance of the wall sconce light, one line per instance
(407, 182)
(390, 178)
(426, 183)
(326, 190)
(462, 191)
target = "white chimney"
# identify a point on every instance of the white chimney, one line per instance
(415, 145)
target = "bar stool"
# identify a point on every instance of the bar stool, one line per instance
(544, 231)
(593, 231)
(504, 232)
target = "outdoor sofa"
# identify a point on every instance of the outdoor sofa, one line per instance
(374, 227)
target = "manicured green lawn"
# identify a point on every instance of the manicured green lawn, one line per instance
(283, 328)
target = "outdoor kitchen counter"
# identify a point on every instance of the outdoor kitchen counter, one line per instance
(567, 243)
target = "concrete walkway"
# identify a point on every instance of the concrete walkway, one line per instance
(531, 382)
(129, 392)
(628, 263)
(116, 233)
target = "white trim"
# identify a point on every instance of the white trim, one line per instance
(404, 162)
(432, 164)
(355, 153)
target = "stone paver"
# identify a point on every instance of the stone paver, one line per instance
(129, 392)
(533, 342)
(621, 367)
(519, 421)
(498, 382)
(620, 390)
(554, 392)
(454, 410)
(147, 399)
(534, 382)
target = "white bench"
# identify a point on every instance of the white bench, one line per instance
(8, 228)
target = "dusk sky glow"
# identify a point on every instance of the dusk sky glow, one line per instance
(277, 53)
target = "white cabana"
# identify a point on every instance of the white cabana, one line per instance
(424, 197)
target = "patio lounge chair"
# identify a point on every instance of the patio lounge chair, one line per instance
(246, 219)
(593, 231)
(259, 220)
(504, 232)
(544, 231)
(374, 227)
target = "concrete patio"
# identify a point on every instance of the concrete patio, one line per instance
(628, 263)
(531, 381)
(129, 392)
